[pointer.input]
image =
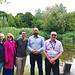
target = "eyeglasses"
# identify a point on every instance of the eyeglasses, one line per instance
(54, 35)
(9, 36)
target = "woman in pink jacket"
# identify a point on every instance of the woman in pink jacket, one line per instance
(10, 50)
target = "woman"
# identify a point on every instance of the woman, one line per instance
(10, 50)
(1, 51)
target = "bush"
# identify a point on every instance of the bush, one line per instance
(15, 31)
(69, 48)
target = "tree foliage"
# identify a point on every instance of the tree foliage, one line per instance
(24, 20)
(53, 18)
(2, 1)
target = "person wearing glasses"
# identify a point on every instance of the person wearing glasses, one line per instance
(53, 51)
(10, 50)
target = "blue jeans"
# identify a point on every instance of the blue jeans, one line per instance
(8, 71)
(1, 65)
(37, 58)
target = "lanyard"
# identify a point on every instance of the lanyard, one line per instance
(53, 44)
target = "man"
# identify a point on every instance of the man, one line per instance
(36, 46)
(21, 53)
(53, 50)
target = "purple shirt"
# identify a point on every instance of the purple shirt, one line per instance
(53, 48)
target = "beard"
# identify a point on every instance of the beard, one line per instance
(35, 34)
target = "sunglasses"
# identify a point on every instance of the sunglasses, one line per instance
(9, 36)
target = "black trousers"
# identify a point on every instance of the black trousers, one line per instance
(49, 66)
(37, 58)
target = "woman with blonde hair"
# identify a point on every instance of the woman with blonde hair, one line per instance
(10, 50)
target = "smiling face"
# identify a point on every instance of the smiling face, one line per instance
(35, 31)
(10, 36)
(23, 34)
(53, 36)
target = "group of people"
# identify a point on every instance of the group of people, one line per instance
(14, 53)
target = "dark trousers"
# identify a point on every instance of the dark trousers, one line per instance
(37, 58)
(49, 66)
(8, 71)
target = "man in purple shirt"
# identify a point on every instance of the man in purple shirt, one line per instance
(36, 46)
(53, 50)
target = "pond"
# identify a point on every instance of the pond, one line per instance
(27, 67)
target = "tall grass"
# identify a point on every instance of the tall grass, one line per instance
(15, 31)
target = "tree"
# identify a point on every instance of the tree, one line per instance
(70, 21)
(2, 1)
(28, 18)
(54, 18)
(3, 19)
(24, 20)
(19, 19)
(38, 14)
(38, 23)
(11, 20)
(38, 19)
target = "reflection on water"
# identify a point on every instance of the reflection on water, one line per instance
(27, 67)
(72, 70)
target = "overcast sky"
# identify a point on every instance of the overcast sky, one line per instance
(17, 6)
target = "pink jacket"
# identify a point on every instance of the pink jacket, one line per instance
(10, 50)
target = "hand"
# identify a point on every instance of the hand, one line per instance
(52, 60)
(35, 52)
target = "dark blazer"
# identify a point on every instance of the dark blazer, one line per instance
(1, 52)
(21, 47)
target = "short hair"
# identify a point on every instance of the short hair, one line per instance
(22, 31)
(53, 32)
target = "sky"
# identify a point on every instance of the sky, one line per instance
(22, 6)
